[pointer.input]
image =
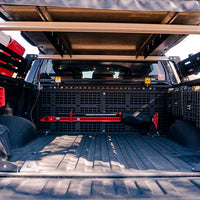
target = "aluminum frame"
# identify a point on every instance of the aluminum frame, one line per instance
(82, 27)
(103, 57)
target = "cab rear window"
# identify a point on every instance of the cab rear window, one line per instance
(101, 70)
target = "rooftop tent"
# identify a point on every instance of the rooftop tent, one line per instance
(139, 5)
(102, 28)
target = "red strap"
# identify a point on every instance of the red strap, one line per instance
(2, 97)
(155, 120)
(71, 116)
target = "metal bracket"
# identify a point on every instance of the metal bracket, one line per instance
(29, 166)
(57, 43)
(6, 166)
(62, 45)
(154, 43)
(188, 107)
(28, 61)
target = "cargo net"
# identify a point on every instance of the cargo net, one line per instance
(59, 102)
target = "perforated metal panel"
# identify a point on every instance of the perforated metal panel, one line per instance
(45, 97)
(185, 104)
(190, 106)
(100, 99)
(62, 97)
(177, 103)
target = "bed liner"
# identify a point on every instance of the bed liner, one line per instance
(103, 166)
(106, 155)
(48, 188)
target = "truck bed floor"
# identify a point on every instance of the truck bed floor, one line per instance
(127, 188)
(107, 154)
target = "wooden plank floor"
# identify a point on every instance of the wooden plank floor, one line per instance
(106, 154)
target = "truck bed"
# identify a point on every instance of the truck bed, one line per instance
(103, 166)
(106, 155)
(95, 188)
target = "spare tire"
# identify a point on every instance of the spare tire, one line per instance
(21, 130)
(4, 143)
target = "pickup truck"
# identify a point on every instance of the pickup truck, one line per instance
(100, 112)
